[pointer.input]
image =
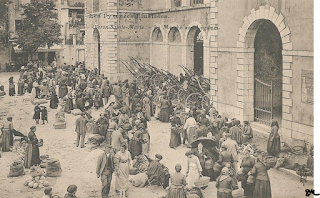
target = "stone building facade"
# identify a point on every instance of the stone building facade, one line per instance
(230, 42)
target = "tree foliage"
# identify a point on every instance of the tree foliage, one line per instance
(40, 27)
(4, 20)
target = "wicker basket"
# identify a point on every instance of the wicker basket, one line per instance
(202, 182)
(133, 171)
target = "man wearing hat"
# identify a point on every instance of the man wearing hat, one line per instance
(157, 173)
(105, 168)
(232, 147)
(72, 189)
(81, 130)
(47, 192)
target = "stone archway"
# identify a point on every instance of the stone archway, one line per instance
(194, 53)
(158, 52)
(245, 67)
(174, 51)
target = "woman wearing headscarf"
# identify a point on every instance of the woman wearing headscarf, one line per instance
(165, 109)
(175, 139)
(225, 184)
(178, 183)
(246, 165)
(194, 169)
(146, 107)
(54, 99)
(37, 111)
(122, 165)
(32, 156)
(262, 187)
(247, 133)
(273, 145)
(72, 189)
(135, 145)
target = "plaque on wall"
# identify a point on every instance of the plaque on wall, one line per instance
(307, 86)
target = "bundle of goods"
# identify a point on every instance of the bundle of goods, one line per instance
(60, 122)
(270, 161)
(284, 147)
(76, 112)
(53, 168)
(298, 147)
(20, 146)
(16, 169)
(44, 159)
(2, 93)
(202, 182)
(36, 171)
(96, 139)
(302, 170)
(37, 182)
(238, 193)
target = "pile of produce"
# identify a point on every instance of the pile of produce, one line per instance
(37, 182)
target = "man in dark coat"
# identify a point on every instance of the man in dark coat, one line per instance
(44, 115)
(81, 130)
(106, 92)
(105, 168)
(102, 125)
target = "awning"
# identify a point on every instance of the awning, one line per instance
(41, 49)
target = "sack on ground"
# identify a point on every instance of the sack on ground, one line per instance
(238, 193)
(96, 139)
(53, 168)
(60, 125)
(76, 112)
(16, 169)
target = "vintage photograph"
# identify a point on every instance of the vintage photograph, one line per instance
(156, 98)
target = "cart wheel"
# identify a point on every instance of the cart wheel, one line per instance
(193, 98)
(205, 102)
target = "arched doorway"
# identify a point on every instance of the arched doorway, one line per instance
(195, 50)
(96, 50)
(175, 59)
(267, 72)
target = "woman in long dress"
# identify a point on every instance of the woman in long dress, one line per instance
(262, 186)
(32, 156)
(54, 100)
(147, 108)
(193, 169)
(122, 165)
(12, 90)
(69, 103)
(7, 135)
(225, 184)
(33, 95)
(178, 183)
(37, 111)
(246, 165)
(20, 87)
(273, 146)
(135, 145)
(175, 139)
(165, 109)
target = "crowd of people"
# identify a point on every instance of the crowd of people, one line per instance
(213, 141)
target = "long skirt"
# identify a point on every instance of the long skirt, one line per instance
(20, 88)
(165, 114)
(176, 192)
(262, 189)
(69, 105)
(192, 134)
(273, 147)
(29, 89)
(248, 188)
(122, 179)
(32, 156)
(224, 195)
(54, 102)
(135, 148)
(175, 139)
(148, 112)
(146, 144)
(193, 175)
(12, 90)
(6, 136)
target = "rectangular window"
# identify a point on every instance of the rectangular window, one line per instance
(195, 2)
(96, 5)
(176, 3)
(307, 86)
(17, 25)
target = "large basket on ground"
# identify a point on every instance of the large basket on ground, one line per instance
(202, 182)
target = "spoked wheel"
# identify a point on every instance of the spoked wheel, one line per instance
(182, 95)
(192, 99)
(158, 80)
(205, 102)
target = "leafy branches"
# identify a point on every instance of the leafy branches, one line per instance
(40, 27)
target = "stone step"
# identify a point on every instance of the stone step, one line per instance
(260, 128)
